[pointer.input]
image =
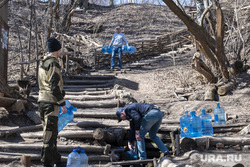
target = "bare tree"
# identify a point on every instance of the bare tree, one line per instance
(211, 47)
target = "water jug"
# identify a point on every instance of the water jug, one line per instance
(64, 119)
(83, 159)
(73, 159)
(131, 155)
(124, 49)
(185, 124)
(107, 49)
(131, 49)
(195, 125)
(206, 124)
(219, 115)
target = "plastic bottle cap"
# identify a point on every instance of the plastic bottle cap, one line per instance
(186, 112)
(74, 150)
(203, 111)
(82, 151)
(192, 112)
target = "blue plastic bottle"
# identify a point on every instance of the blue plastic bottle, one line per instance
(131, 49)
(206, 124)
(131, 155)
(219, 115)
(185, 124)
(195, 125)
(64, 119)
(124, 49)
(83, 159)
(73, 159)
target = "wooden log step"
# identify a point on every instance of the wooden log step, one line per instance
(70, 89)
(6, 133)
(95, 104)
(82, 87)
(60, 148)
(230, 129)
(96, 114)
(92, 77)
(236, 140)
(8, 157)
(70, 134)
(89, 97)
(88, 93)
(86, 82)
(85, 97)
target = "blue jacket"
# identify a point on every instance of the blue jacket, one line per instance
(134, 114)
(118, 40)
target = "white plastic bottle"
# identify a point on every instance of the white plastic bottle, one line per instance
(73, 159)
(83, 159)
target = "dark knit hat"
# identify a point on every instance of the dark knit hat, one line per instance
(53, 44)
(118, 113)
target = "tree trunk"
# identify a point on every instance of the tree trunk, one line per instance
(208, 44)
(222, 90)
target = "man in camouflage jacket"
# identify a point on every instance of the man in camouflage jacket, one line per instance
(51, 96)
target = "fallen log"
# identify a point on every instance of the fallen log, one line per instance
(63, 148)
(77, 134)
(7, 133)
(95, 104)
(210, 93)
(111, 136)
(225, 140)
(222, 90)
(7, 102)
(101, 134)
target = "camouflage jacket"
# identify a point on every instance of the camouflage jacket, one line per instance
(50, 81)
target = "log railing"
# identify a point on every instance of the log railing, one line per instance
(146, 47)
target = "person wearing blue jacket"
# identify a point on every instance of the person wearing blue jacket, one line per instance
(143, 118)
(117, 42)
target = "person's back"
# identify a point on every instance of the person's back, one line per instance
(49, 68)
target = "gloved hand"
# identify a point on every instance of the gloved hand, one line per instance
(137, 135)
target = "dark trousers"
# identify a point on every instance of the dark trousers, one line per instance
(49, 118)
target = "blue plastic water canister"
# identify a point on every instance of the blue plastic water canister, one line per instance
(84, 159)
(73, 159)
(131, 49)
(124, 49)
(206, 124)
(185, 125)
(64, 119)
(195, 125)
(131, 155)
(105, 49)
(219, 115)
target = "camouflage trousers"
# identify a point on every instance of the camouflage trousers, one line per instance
(49, 118)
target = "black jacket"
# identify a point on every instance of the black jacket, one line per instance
(134, 114)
